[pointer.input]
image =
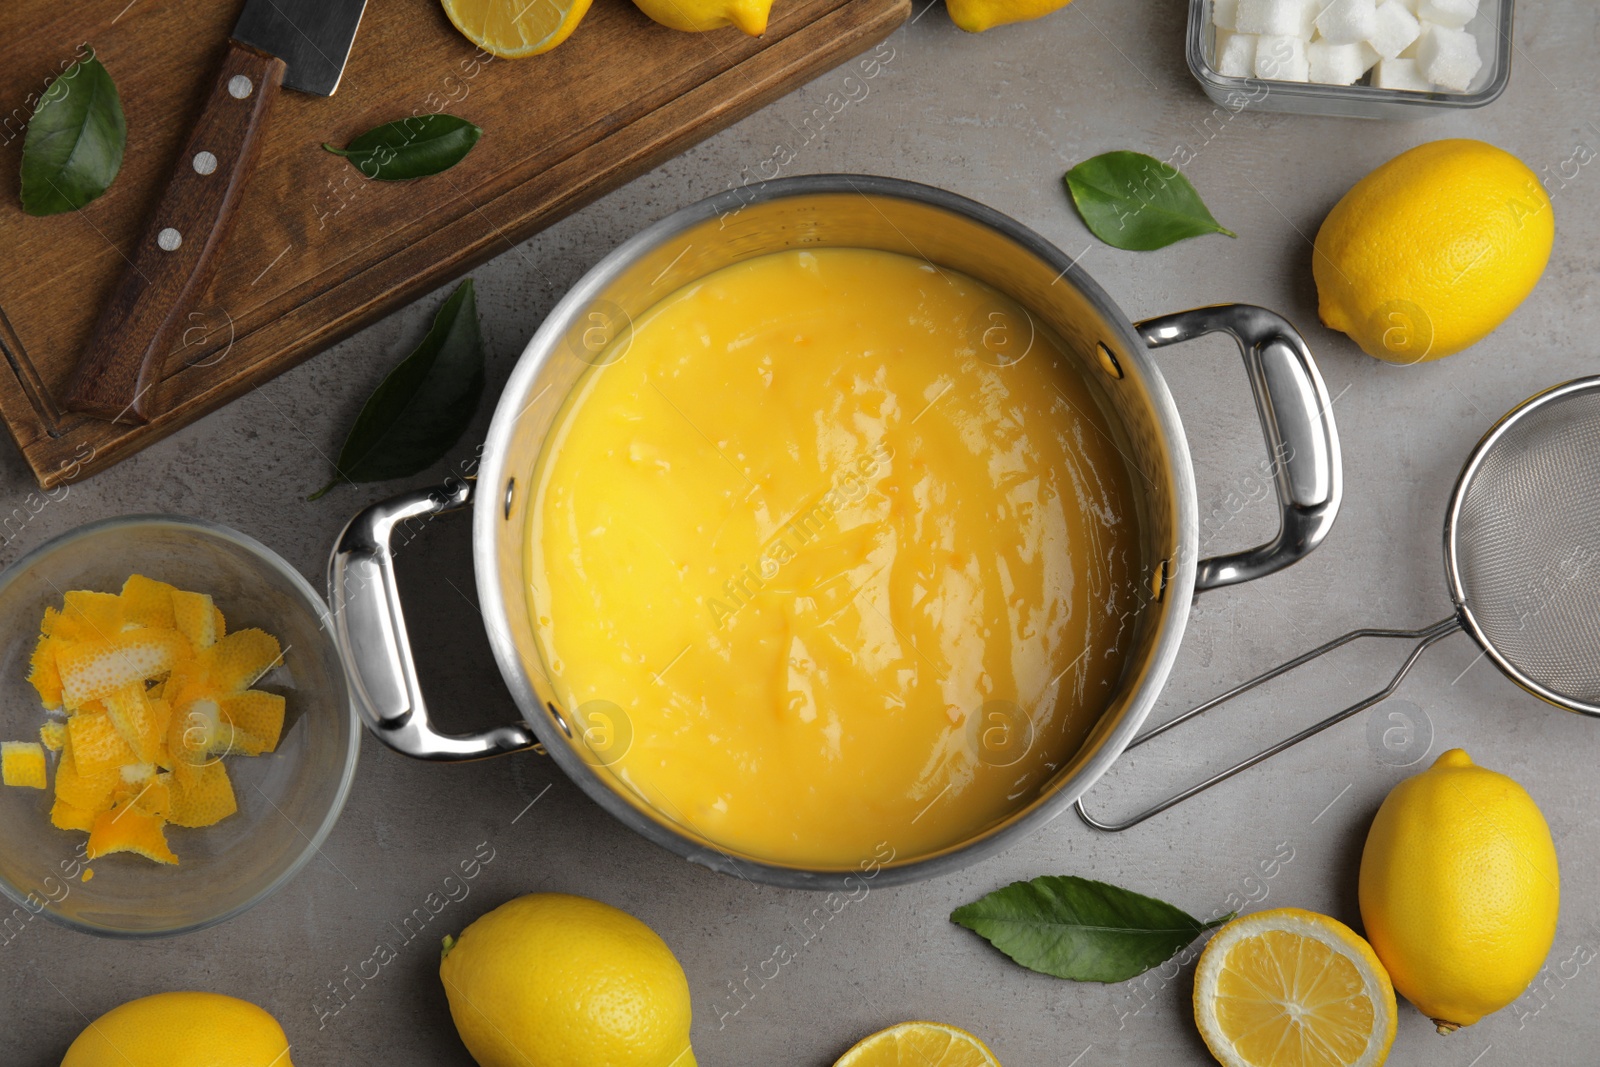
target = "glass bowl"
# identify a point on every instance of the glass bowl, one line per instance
(1491, 27)
(288, 799)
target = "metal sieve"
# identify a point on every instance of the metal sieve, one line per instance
(1520, 541)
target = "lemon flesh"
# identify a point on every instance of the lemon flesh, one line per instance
(550, 980)
(975, 16)
(513, 29)
(919, 1044)
(1433, 250)
(1460, 890)
(182, 1030)
(1291, 988)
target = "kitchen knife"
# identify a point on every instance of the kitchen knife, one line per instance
(302, 44)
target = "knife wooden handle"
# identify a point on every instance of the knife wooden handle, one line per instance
(176, 255)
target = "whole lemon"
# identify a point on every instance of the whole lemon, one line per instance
(1459, 890)
(975, 16)
(550, 980)
(1429, 253)
(697, 16)
(181, 1030)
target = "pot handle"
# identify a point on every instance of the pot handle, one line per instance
(1296, 419)
(369, 626)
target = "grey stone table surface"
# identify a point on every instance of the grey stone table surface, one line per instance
(997, 117)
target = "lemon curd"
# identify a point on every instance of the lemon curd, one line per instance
(833, 550)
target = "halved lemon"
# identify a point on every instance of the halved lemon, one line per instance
(919, 1044)
(512, 29)
(1291, 988)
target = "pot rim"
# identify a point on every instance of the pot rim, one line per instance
(1173, 605)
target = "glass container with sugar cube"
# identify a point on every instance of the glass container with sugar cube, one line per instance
(1354, 58)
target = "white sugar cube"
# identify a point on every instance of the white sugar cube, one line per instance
(1348, 21)
(1282, 18)
(1448, 58)
(1236, 54)
(1338, 64)
(1282, 57)
(1400, 74)
(1225, 14)
(1452, 13)
(1308, 18)
(1397, 28)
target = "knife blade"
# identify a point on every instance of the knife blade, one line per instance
(303, 44)
(313, 37)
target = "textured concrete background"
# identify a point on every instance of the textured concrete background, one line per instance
(999, 118)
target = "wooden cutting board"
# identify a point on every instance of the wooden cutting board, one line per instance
(319, 251)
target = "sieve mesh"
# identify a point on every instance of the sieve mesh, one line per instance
(1525, 548)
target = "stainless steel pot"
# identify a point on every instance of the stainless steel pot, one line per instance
(859, 212)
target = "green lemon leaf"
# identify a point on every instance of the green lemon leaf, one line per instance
(1078, 929)
(425, 404)
(1133, 201)
(411, 148)
(75, 139)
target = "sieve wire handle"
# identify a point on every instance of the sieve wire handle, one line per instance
(1423, 639)
(1296, 419)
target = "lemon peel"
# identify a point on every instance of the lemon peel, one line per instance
(1288, 987)
(155, 692)
(22, 764)
(182, 1030)
(1460, 890)
(916, 1044)
(515, 29)
(1432, 251)
(548, 979)
(975, 16)
(699, 16)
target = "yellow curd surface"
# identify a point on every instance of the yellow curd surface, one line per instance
(833, 552)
